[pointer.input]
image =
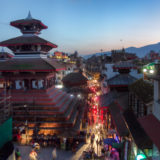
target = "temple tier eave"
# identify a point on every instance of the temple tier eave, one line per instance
(29, 25)
(19, 48)
(19, 23)
(27, 43)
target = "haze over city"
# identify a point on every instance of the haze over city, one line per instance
(87, 25)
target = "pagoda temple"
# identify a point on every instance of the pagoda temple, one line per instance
(31, 75)
(121, 81)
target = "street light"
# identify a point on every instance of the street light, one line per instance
(71, 95)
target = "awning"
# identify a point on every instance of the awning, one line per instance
(117, 145)
(151, 126)
(109, 141)
(139, 136)
(118, 120)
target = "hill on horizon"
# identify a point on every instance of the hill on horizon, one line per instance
(140, 52)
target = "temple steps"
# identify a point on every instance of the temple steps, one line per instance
(63, 112)
(60, 129)
(70, 109)
(62, 115)
(70, 123)
(51, 110)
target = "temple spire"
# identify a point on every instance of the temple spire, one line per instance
(29, 15)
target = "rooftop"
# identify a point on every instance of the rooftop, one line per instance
(139, 135)
(118, 119)
(27, 20)
(152, 127)
(30, 64)
(76, 78)
(121, 79)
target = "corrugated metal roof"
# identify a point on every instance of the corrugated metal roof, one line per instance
(152, 127)
(118, 120)
(140, 137)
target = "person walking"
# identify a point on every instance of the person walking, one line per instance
(33, 155)
(17, 154)
(54, 154)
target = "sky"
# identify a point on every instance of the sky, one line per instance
(87, 26)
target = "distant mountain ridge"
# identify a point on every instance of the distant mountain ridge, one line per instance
(140, 52)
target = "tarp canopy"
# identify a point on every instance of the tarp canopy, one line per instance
(117, 145)
(109, 141)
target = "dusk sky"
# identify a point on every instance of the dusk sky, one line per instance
(87, 25)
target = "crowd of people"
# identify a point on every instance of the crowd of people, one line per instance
(97, 148)
(70, 144)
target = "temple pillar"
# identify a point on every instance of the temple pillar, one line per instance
(13, 84)
(50, 83)
(34, 84)
(53, 81)
(29, 84)
(44, 84)
(47, 83)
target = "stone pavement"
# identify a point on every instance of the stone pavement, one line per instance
(79, 152)
(46, 153)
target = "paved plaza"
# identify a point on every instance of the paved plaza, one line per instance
(46, 153)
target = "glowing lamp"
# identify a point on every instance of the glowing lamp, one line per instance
(140, 157)
(144, 70)
(59, 86)
(151, 71)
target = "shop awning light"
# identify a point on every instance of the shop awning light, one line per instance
(144, 70)
(140, 157)
(151, 71)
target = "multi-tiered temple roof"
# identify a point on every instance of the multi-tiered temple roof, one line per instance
(29, 25)
(31, 76)
(124, 79)
(29, 42)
